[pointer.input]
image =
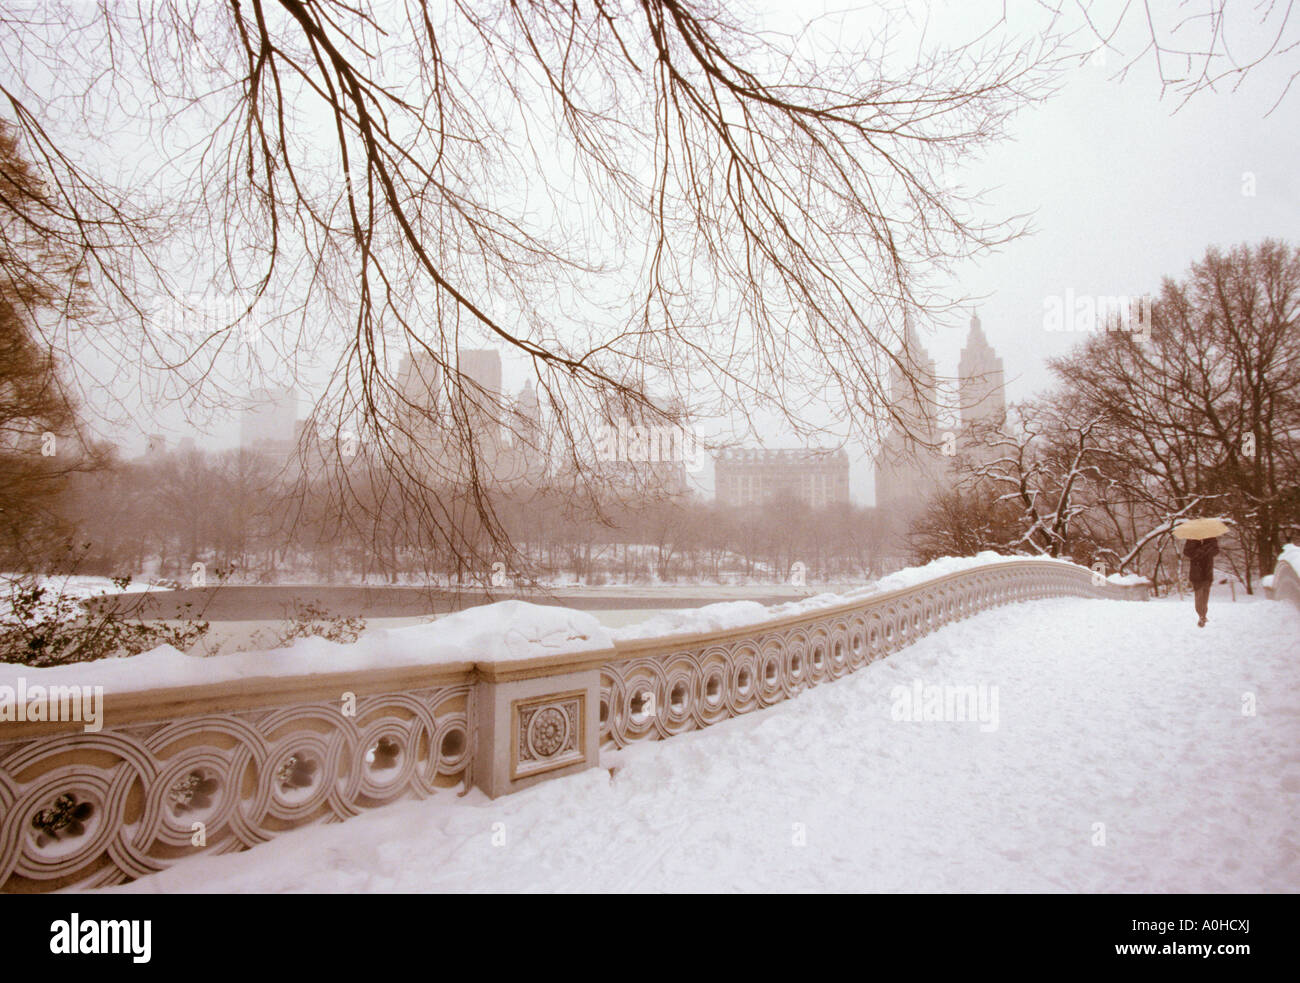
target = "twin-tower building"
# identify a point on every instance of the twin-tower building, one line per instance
(915, 458)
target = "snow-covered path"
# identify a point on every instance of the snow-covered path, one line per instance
(1109, 712)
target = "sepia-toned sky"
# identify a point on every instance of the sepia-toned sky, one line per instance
(1123, 186)
(1123, 189)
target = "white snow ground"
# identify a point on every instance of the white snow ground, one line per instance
(1109, 712)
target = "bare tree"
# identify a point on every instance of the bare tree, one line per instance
(962, 521)
(376, 181)
(1039, 459)
(41, 442)
(1195, 48)
(1204, 412)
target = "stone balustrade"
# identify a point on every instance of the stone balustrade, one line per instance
(225, 766)
(661, 687)
(221, 768)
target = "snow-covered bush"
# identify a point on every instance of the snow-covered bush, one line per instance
(43, 625)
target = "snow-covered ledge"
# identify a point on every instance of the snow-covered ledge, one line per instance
(166, 754)
(1286, 576)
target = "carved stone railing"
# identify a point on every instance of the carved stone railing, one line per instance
(660, 687)
(220, 768)
(224, 766)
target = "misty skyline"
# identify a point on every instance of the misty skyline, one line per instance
(1120, 183)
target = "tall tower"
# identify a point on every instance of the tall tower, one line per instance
(524, 461)
(415, 411)
(914, 399)
(439, 429)
(419, 378)
(485, 408)
(908, 472)
(982, 388)
(483, 365)
(981, 379)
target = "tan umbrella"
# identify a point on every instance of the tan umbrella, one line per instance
(1200, 529)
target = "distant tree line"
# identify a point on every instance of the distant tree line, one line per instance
(248, 519)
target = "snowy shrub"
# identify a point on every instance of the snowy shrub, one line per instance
(310, 621)
(42, 626)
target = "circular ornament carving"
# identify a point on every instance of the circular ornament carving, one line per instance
(547, 731)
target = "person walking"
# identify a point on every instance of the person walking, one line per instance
(1200, 574)
(1202, 547)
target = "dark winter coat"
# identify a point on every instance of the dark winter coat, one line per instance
(1201, 553)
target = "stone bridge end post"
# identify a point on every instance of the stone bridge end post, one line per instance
(534, 724)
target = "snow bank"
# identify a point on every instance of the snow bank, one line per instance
(1291, 556)
(73, 587)
(87, 587)
(509, 631)
(1127, 580)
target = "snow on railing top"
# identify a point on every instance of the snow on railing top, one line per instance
(493, 635)
(733, 615)
(496, 634)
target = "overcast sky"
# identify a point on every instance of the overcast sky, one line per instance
(1123, 190)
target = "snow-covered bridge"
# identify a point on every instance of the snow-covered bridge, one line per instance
(1063, 743)
(1132, 752)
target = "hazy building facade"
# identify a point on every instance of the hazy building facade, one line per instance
(509, 446)
(908, 470)
(269, 421)
(419, 378)
(415, 413)
(523, 460)
(641, 457)
(815, 478)
(483, 366)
